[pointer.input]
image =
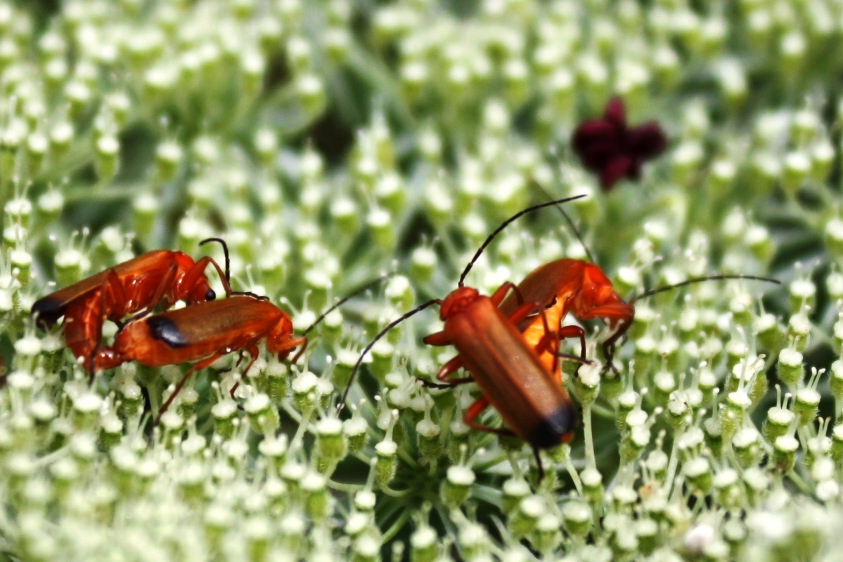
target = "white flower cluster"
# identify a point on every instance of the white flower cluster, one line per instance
(334, 143)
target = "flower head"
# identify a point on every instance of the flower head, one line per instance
(614, 149)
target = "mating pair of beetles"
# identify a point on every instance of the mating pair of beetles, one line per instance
(203, 331)
(509, 342)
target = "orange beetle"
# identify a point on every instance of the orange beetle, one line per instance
(571, 286)
(207, 331)
(203, 332)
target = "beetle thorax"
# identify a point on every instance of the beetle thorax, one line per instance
(457, 301)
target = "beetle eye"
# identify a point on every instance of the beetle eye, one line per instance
(210, 295)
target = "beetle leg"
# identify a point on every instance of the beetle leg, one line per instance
(147, 399)
(609, 354)
(574, 358)
(452, 366)
(85, 338)
(622, 311)
(111, 288)
(549, 342)
(525, 311)
(449, 384)
(539, 463)
(623, 314)
(291, 345)
(253, 352)
(574, 332)
(437, 339)
(193, 368)
(448, 369)
(473, 412)
(499, 295)
(95, 351)
(160, 290)
(609, 344)
(194, 273)
(294, 343)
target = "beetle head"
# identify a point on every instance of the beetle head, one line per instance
(280, 340)
(457, 301)
(194, 290)
(201, 292)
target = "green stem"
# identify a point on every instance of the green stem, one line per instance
(483, 466)
(343, 487)
(603, 411)
(800, 483)
(673, 462)
(304, 421)
(487, 494)
(395, 527)
(589, 437)
(405, 456)
(569, 466)
(730, 453)
(395, 493)
(107, 194)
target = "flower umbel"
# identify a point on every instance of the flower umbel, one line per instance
(330, 143)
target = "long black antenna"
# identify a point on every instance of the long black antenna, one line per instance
(371, 344)
(225, 251)
(569, 220)
(694, 280)
(344, 300)
(556, 166)
(504, 225)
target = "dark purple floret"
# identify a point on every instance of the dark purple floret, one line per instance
(614, 150)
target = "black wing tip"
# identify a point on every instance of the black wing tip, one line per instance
(555, 428)
(48, 311)
(164, 329)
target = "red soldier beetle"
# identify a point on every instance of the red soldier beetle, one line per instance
(135, 286)
(207, 331)
(203, 332)
(571, 286)
(582, 289)
(506, 368)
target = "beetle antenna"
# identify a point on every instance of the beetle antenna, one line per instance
(344, 300)
(557, 176)
(569, 220)
(506, 223)
(695, 280)
(371, 344)
(225, 251)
